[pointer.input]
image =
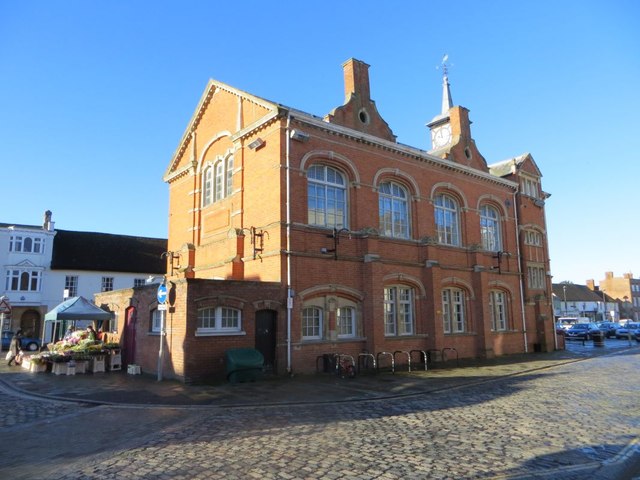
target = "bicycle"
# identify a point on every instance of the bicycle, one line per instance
(345, 367)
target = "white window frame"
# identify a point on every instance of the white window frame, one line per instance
(346, 322)
(530, 187)
(498, 307)
(536, 277)
(71, 285)
(447, 220)
(139, 282)
(327, 197)
(312, 323)
(393, 210)
(399, 310)
(156, 321)
(18, 244)
(207, 186)
(220, 320)
(107, 284)
(490, 228)
(454, 311)
(16, 278)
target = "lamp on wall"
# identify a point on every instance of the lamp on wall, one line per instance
(299, 136)
(256, 144)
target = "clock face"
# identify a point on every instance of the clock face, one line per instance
(441, 136)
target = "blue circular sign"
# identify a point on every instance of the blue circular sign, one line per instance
(162, 293)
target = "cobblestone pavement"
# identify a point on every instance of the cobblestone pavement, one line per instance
(577, 420)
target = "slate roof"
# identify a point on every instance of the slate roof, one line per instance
(578, 293)
(107, 252)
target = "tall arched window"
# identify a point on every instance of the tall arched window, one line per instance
(447, 220)
(229, 185)
(207, 186)
(219, 180)
(393, 210)
(326, 197)
(490, 228)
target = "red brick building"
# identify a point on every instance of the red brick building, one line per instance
(300, 236)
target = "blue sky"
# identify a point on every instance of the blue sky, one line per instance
(95, 95)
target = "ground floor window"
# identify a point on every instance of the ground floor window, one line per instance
(498, 307)
(453, 312)
(311, 323)
(399, 310)
(219, 320)
(346, 322)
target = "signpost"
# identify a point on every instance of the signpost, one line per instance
(162, 308)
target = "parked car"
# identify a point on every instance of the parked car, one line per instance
(629, 328)
(583, 331)
(566, 322)
(30, 344)
(609, 328)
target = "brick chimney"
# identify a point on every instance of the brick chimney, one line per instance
(356, 79)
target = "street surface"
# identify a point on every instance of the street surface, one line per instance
(578, 420)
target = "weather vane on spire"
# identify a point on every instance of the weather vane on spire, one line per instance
(445, 67)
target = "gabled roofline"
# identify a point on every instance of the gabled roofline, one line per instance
(210, 89)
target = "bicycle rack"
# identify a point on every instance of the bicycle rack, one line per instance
(322, 357)
(444, 355)
(393, 365)
(363, 358)
(408, 358)
(433, 354)
(338, 359)
(423, 356)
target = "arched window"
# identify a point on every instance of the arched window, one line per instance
(399, 310)
(447, 220)
(219, 179)
(490, 228)
(326, 197)
(498, 307)
(229, 186)
(453, 311)
(207, 186)
(311, 323)
(393, 210)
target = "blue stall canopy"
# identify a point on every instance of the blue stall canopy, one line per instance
(77, 308)
(77, 312)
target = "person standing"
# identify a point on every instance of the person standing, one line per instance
(15, 347)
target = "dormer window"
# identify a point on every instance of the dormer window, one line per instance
(530, 187)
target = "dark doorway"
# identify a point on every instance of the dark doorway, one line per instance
(266, 321)
(129, 334)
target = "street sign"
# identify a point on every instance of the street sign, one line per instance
(162, 307)
(4, 306)
(162, 293)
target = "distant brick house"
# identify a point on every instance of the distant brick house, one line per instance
(301, 236)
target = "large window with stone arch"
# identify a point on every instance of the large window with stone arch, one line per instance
(326, 197)
(498, 308)
(447, 219)
(454, 310)
(217, 180)
(393, 208)
(399, 310)
(490, 228)
(312, 323)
